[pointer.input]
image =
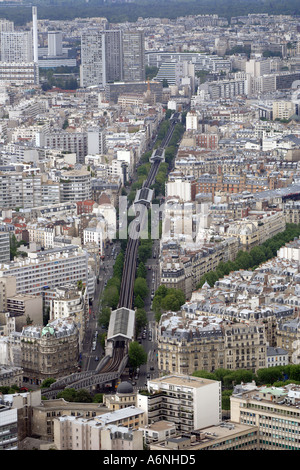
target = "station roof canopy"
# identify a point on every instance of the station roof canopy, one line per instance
(121, 324)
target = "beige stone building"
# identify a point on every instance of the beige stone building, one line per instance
(288, 338)
(283, 109)
(51, 351)
(46, 411)
(10, 375)
(124, 396)
(187, 343)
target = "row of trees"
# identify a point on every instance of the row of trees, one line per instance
(111, 292)
(253, 258)
(269, 376)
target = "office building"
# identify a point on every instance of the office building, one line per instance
(224, 436)
(274, 410)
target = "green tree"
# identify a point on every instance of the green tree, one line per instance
(104, 317)
(140, 320)
(136, 354)
(110, 297)
(118, 266)
(174, 299)
(269, 375)
(47, 382)
(226, 394)
(98, 398)
(139, 302)
(141, 270)
(83, 396)
(140, 287)
(258, 256)
(68, 394)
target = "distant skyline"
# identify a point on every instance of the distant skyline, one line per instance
(132, 10)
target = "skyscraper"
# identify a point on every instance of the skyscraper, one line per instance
(93, 63)
(114, 55)
(133, 56)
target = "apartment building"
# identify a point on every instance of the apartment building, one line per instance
(188, 402)
(75, 185)
(283, 109)
(245, 346)
(96, 235)
(19, 73)
(257, 228)
(51, 351)
(47, 269)
(8, 428)
(16, 46)
(188, 342)
(288, 338)
(116, 430)
(69, 301)
(274, 410)
(277, 357)
(11, 375)
(71, 142)
(93, 60)
(4, 247)
(22, 190)
(113, 55)
(133, 43)
(183, 269)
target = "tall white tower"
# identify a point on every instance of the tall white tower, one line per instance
(35, 35)
(35, 45)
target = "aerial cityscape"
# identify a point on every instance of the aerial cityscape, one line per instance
(149, 227)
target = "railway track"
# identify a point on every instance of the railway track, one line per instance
(129, 270)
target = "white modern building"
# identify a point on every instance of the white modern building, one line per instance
(96, 142)
(47, 269)
(55, 43)
(189, 402)
(4, 247)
